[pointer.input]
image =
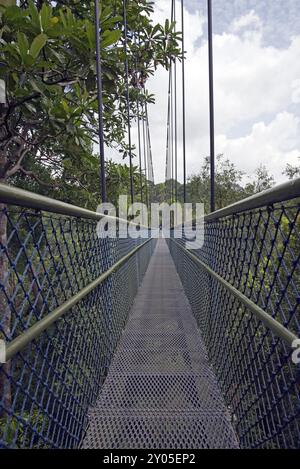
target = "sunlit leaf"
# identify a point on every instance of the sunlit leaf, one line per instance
(23, 45)
(37, 45)
(45, 16)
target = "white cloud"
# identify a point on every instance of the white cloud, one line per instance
(254, 87)
(245, 21)
(296, 91)
(252, 80)
(273, 145)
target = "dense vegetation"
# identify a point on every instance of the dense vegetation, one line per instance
(231, 184)
(49, 120)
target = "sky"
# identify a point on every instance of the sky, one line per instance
(257, 86)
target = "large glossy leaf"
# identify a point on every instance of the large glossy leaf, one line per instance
(110, 37)
(35, 17)
(90, 32)
(23, 45)
(46, 16)
(37, 45)
(28, 60)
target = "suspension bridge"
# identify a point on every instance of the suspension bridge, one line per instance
(141, 343)
(114, 342)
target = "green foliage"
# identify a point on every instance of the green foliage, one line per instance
(48, 64)
(291, 171)
(230, 185)
(37, 45)
(262, 181)
(21, 429)
(118, 181)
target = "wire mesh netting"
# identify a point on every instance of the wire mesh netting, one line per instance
(258, 253)
(159, 392)
(45, 259)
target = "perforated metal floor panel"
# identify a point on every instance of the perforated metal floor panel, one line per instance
(160, 391)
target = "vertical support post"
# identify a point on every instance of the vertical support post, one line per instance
(211, 106)
(100, 102)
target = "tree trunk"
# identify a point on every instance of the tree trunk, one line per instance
(5, 314)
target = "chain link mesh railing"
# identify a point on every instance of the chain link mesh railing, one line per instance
(45, 259)
(257, 251)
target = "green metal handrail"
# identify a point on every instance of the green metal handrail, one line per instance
(19, 197)
(280, 193)
(14, 196)
(275, 326)
(20, 342)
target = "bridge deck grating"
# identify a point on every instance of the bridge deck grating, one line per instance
(160, 391)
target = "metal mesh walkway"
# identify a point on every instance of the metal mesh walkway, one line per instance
(160, 391)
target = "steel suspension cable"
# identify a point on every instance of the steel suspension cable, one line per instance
(145, 155)
(100, 102)
(171, 134)
(128, 101)
(169, 175)
(183, 106)
(172, 114)
(138, 123)
(140, 149)
(175, 117)
(150, 165)
(168, 142)
(211, 106)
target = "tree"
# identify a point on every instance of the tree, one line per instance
(118, 181)
(262, 181)
(228, 188)
(48, 64)
(291, 171)
(230, 184)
